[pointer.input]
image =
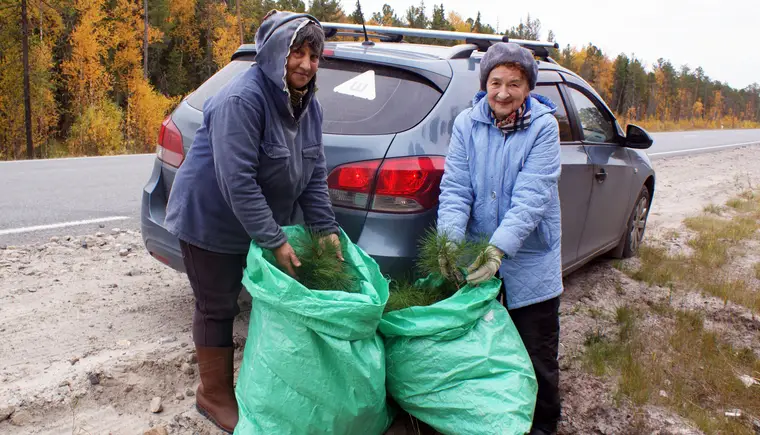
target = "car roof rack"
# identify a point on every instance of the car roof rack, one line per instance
(473, 41)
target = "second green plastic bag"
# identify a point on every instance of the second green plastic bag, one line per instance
(313, 362)
(459, 365)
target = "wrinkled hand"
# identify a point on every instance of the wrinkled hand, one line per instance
(489, 261)
(287, 259)
(335, 240)
(449, 270)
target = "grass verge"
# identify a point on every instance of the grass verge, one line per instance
(715, 242)
(682, 367)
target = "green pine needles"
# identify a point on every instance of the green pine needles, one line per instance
(435, 246)
(320, 267)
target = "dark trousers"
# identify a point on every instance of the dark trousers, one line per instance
(216, 280)
(538, 325)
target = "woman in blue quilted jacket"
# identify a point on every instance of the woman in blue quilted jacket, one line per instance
(501, 181)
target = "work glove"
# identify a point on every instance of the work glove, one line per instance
(335, 240)
(448, 270)
(485, 266)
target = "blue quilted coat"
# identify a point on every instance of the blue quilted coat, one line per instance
(505, 188)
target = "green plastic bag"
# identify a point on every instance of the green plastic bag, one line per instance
(460, 365)
(314, 362)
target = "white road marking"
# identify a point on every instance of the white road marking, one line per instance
(68, 159)
(61, 225)
(690, 150)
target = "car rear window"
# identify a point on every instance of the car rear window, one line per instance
(213, 84)
(358, 98)
(362, 98)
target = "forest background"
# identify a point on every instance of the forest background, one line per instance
(93, 89)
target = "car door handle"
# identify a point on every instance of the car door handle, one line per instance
(601, 175)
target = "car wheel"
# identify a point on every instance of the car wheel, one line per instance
(637, 225)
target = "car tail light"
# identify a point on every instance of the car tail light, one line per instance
(350, 185)
(399, 185)
(170, 149)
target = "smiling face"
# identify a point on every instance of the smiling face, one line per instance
(507, 88)
(302, 66)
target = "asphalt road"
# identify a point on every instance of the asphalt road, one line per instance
(692, 142)
(45, 198)
(45, 193)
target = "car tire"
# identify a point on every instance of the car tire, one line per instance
(637, 223)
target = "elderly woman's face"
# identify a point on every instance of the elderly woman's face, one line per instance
(507, 89)
(302, 66)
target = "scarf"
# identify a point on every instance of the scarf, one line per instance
(296, 97)
(519, 120)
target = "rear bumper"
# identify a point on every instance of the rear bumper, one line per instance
(390, 239)
(161, 244)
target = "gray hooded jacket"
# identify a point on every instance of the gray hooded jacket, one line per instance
(253, 160)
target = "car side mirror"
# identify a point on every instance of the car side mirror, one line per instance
(636, 137)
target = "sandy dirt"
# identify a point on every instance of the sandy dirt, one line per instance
(92, 329)
(685, 185)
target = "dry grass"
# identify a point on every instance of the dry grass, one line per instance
(715, 242)
(682, 367)
(713, 209)
(653, 124)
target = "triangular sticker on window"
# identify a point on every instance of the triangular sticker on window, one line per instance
(361, 86)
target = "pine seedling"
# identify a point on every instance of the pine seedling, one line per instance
(433, 247)
(404, 294)
(320, 267)
(472, 251)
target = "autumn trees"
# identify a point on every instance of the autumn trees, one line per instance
(92, 91)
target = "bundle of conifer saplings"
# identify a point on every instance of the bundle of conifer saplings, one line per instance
(320, 267)
(434, 246)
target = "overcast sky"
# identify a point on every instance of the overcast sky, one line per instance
(723, 37)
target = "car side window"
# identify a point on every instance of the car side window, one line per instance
(596, 127)
(551, 92)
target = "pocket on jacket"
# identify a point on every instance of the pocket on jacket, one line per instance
(312, 152)
(538, 241)
(544, 233)
(275, 150)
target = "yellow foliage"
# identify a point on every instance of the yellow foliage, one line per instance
(226, 35)
(146, 109)
(717, 105)
(185, 31)
(655, 124)
(11, 105)
(42, 86)
(698, 108)
(97, 131)
(604, 74)
(86, 76)
(459, 24)
(44, 108)
(127, 41)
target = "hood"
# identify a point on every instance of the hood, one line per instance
(273, 41)
(537, 104)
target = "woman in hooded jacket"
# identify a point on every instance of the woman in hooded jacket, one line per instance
(501, 182)
(257, 156)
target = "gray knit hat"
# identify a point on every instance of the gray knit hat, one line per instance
(506, 52)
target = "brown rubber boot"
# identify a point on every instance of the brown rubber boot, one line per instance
(215, 398)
